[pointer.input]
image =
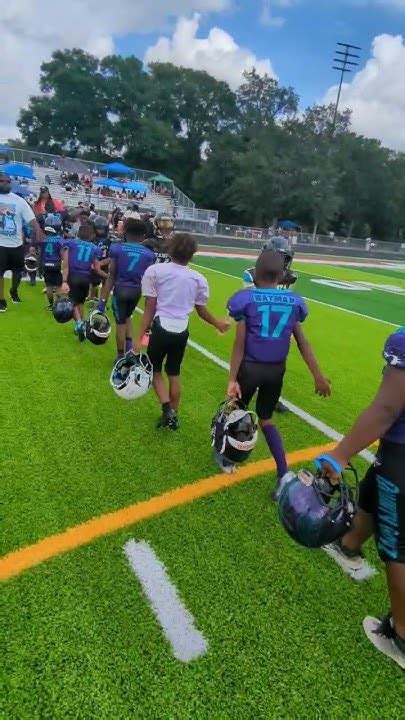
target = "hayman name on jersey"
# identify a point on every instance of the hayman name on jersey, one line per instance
(278, 298)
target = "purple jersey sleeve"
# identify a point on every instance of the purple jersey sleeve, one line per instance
(303, 311)
(237, 304)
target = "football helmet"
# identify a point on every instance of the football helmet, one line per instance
(394, 350)
(316, 512)
(234, 431)
(31, 263)
(132, 376)
(102, 226)
(97, 328)
(164, 223)
(52, 224)
(63, 310)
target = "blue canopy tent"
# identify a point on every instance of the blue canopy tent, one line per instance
(19, 170)
(288, 225)
(119, 168)
(110, 183)
(136, 186)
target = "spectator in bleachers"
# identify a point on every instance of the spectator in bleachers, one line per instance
(45, 203)
(132, 212)
(48, 179)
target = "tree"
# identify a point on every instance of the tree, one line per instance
(262, 101)
(71, 114)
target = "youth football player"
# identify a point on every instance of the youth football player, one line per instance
(382, 495)
(172, 291)
(50, 258)
(128, 262)
(79, 258)
(267, 317)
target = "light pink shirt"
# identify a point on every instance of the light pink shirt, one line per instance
(177, 288)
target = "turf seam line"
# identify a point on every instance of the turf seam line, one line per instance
(84, 533)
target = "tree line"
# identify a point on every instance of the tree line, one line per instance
(250, 153)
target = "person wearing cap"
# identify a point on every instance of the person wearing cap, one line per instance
(45, 203)
(14, 213)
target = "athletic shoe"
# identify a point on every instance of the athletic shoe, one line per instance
(79, 331)
(281, 483)
(225, 465)
(3, 305)
(352, 562)
(383, 636)
(15, 298)
(169, 420)
(281, 408)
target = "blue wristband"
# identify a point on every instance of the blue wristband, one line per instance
(331, 461)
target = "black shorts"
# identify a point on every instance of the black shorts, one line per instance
(124, 303)
(166, 345)
(265, 378)
(382, 495)
(95, 279)
(79, 288)
(11, 258)
(52, 276)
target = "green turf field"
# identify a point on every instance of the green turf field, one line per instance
(283, 625)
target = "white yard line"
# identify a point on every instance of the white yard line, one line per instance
(318, 302)
(177, 623)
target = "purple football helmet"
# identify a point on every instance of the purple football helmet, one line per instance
(313, 511)
(394, 350)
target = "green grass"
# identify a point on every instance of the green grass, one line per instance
(283, 624)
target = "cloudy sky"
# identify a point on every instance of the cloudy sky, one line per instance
(290, 39)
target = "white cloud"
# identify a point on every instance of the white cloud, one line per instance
(376, 94)
(32, 29)
(218, 53)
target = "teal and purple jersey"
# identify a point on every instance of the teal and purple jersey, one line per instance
(270, 316)
(50, 250)
(131, 261)
(82, 255)
(394, 355)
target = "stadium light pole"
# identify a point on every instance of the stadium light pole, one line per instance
(344, 61)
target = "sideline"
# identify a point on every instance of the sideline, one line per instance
(27, 557)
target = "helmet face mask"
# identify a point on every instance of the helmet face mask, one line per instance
(31, 263)
(132, 376)
(234, 431)
(315, 512)
(97, 328)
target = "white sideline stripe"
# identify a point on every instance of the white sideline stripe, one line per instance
(318, 302)
(309, 419)
(176, 621)
(315, 260)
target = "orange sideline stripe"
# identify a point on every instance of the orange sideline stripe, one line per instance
(27, 557)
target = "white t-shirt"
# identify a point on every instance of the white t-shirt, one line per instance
(13, 212)
(133, 214)
(178, 289)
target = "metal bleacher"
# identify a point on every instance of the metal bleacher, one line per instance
(153, 202)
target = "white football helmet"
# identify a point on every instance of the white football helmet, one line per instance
(132, 376)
